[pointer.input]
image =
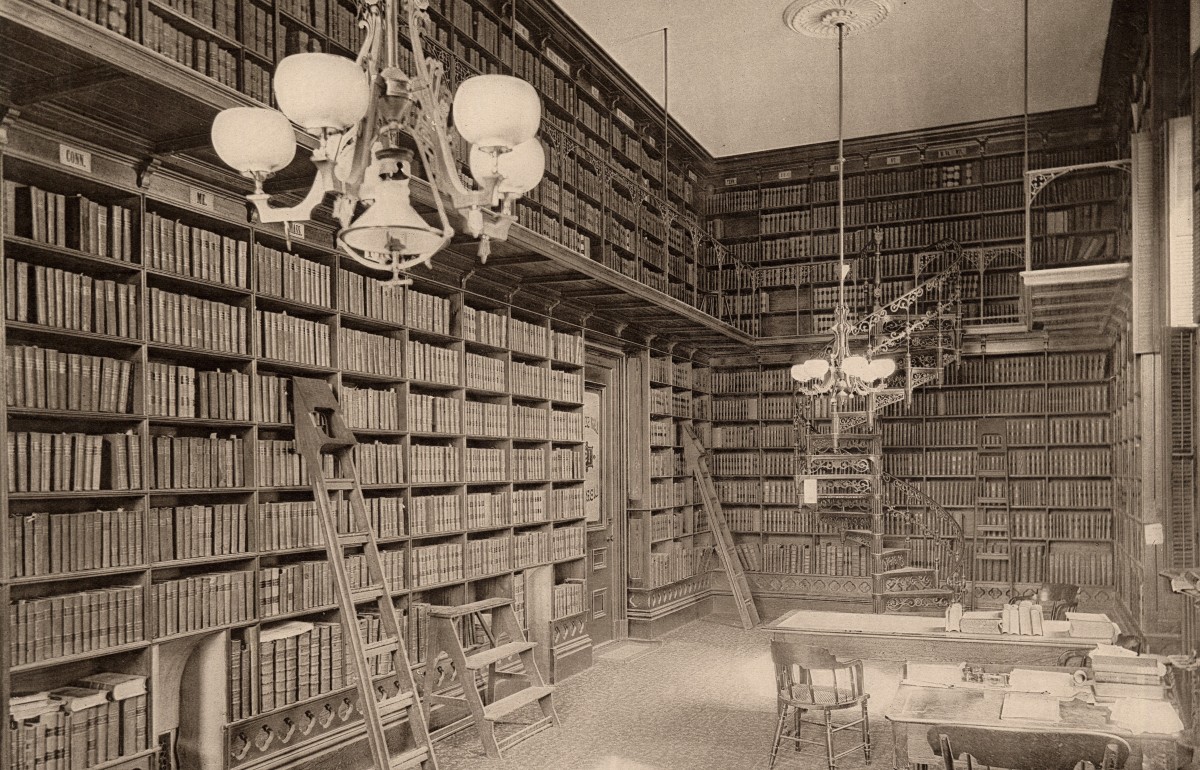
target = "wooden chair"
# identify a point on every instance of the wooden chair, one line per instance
(1057, 599)
(810, 679)
(1019, 748)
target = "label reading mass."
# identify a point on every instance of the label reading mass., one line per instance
(75, 158)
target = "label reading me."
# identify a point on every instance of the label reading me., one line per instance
(75, 158)
(201, 198)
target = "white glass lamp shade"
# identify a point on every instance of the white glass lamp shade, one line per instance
(519, 170)
(320, 91)
(813, 369)
(497, 111)
(391, 225)
(881, 368)
(253, 140)
(856, 366)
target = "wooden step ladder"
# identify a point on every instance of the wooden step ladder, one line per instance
(697, 459)
(504, 641)
(321, 432)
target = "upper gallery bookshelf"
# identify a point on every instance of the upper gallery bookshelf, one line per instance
(154, 500)
(611, 193)
(780, 216)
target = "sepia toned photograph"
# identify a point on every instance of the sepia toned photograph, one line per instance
(581, 385)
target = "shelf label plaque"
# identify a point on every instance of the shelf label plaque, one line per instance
(201, 198)
(296, 229)
(75, 158)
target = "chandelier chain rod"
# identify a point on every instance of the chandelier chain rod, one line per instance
(841, 161)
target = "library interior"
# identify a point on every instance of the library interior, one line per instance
(513, 384)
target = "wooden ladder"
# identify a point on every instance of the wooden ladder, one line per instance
(445, 637)
(321, 432)
(697, 459)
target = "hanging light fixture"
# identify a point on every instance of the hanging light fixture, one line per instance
(838, 372)
(368, 115)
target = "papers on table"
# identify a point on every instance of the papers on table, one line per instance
(1146, 716)
(936, 674)
(1059, 684)
(1030, 706)
(1091, 624)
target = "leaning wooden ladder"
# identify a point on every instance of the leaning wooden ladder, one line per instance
(697, 459)
(321, 432)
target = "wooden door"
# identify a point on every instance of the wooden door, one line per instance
(605, 577)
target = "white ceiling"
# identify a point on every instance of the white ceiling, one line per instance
(741, 81)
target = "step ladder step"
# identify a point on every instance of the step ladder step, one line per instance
(485, 658)
(368, 594)
(395, 704)
(412, 758)
(515, 702)
(382, 647)
(483, 605)
(339, 485)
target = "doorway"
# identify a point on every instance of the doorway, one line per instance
(605, 578)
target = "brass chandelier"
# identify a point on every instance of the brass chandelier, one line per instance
(367, 114)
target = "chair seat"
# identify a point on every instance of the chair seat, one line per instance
(822, 695)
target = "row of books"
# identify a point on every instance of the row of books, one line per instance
(272, 400)
(198, 53)
(193, 462)
(486, 419)
(484, 326)
(485, 373)
(567, 598)
(1084, 566)
(378, 463)
(359, 295)
(666, 525)
(528, 464)
(997, 561)
(71, 222)
(376, 409)
(432, 363)
(44, 378)
(1017, 369)
(180, 319)
(529, 338)
(822, 558)
(566, 464)
(174, 247)
(195, 531)
(76, 623)
(530, 506)
(283, 274)
(369, 353)
(666, 462)
(488, 555)
(290, 338)
(1081, 399)
(781, 520)
(491, 509)
(754, 464)
(1079, 461)
(675, 562)
(175, 390)
(529, 422)
(72, 462)
(43, 544)
(751, 436)
(65, 300)
(92, 721)
(203, 601)
(431, 414)
(439, 464)
(427, 311)
(432, 514)
(665, 494)
(306, 585)
(1071, 249)
(295, 660)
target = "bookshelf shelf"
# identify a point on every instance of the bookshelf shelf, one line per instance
(105, 652)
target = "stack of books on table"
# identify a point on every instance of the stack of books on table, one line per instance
(1121, 674)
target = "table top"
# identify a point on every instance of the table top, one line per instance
(1057, 632)
(915, 703)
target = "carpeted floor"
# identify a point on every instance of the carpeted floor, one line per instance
(703, 700)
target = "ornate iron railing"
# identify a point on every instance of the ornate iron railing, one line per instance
(931, 533)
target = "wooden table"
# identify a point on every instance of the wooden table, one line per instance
(916, 637)
(915, 708)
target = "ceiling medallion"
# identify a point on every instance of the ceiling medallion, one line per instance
(821, 18)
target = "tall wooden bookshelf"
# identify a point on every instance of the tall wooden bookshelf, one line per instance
(150, 459)
(670, 543)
